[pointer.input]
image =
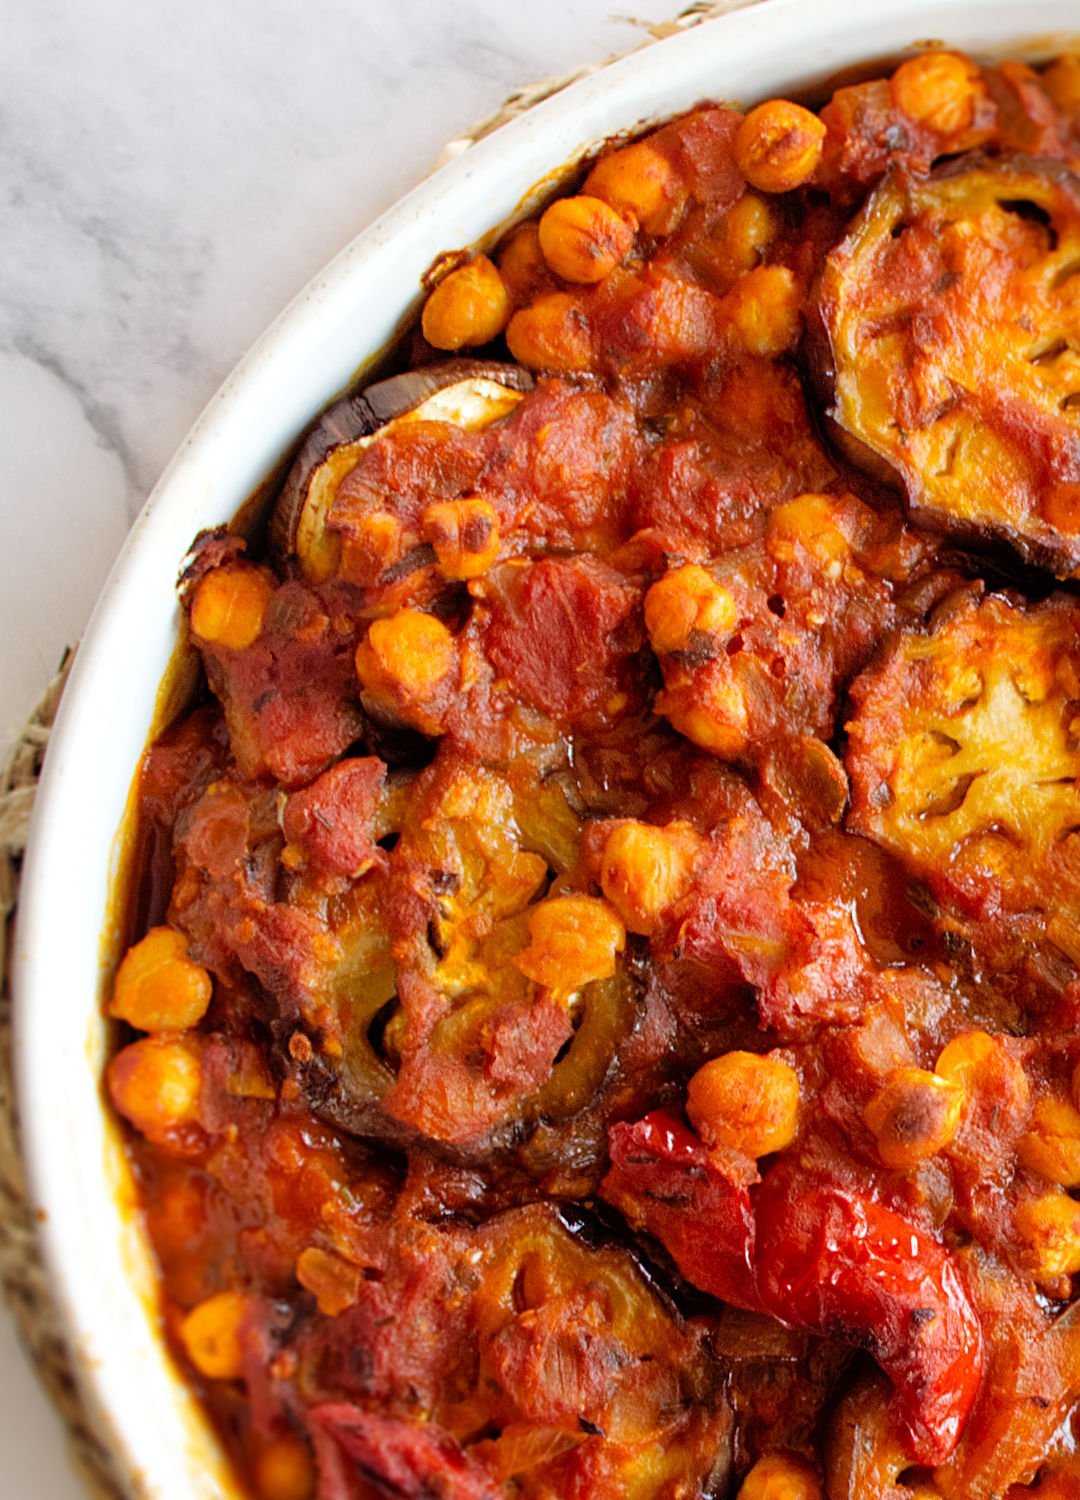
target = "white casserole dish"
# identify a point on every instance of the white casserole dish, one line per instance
(100, 1267)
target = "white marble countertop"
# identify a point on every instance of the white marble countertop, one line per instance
(172, 172)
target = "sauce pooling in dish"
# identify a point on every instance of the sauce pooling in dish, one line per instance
(603, 1013)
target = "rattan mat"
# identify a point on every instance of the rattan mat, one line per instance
(22, 1276)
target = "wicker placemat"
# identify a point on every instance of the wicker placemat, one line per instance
(22, 1276)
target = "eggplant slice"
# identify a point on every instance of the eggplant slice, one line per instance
(953, 313)
(470, 393)
(964, 761)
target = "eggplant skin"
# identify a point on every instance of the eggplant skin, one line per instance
(360, 415)
(952, 312)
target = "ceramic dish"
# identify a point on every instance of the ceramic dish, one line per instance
(100, 1265)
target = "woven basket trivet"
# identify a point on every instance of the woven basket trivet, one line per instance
(22, 1276)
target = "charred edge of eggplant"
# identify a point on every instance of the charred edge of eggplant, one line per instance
(363, 413)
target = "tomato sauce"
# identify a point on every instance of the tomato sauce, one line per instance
(601, 1013)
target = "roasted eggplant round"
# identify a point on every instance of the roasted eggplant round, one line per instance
(952, 309)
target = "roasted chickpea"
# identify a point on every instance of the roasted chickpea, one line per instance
(552, 334)
(334, 1282)
(229, 606)
(155, 1083)
(685, 601)
(747, 231)
(646, 869)
(808, 524)
(639, 180)
(213, 1338)
(986, 1070)
(372, 545)
(465, 535)
(158, 987)
(1049, 1227)
(521, 263)
(573, 941)
(470, 306)
(745, 1103)
(781, 1476)
(403, 659)
(583, 240)
(778, 146)
(938, 89)
(1051, 1146)
(914, 1116)
(763, 311)
(717, 720)
(1062, 82)
(284, 1470)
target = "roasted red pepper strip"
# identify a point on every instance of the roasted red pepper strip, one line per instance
(839, 1264)
(667, 1183)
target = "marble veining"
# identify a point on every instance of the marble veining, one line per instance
(171, 173)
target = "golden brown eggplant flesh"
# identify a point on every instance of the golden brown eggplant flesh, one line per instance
(471, 393)
(952, 309)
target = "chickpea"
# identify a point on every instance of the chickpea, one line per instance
(763, 310)
(717, 720)
(404, 657)
(986, 1070)
(747, 231)
(334, 1282)
(372, 545)
(470, 306)
(1062, 82)
(686, 600)
(552, 334)
(1049, 1227)
(230, 604)
(939, 90)
(573, 941)
(284, 1470)
(646, 869)
(778, 146)
(155, 1083)
(521, 263)
(808, 524)
(781, 1476)
(1051, 1146)
(465, 535)
(915, 1115)
(641, 181)
(158, 988)
(745, 1102)
(583, 240)
(213, 1335)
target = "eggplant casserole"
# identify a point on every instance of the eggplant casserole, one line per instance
(602, 1009)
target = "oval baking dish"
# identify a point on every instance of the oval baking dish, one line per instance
(339, 324)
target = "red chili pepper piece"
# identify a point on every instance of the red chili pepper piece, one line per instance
(839, 1264)
(667, 1182)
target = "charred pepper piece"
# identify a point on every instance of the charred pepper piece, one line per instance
(832, 1260)
(667, 1183)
